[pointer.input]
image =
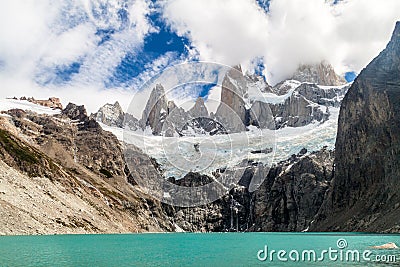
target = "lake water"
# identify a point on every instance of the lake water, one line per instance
(196, 249)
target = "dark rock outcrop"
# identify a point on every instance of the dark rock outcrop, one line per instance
(175, 118)
(261, 115)
(113, 115)
(75, 112)
(365, 192)
(287, 200)
(293, 193)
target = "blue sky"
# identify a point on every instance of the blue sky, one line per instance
(98, 51)
(155, 44)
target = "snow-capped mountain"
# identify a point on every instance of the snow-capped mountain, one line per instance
(111, 114)
(322, 73)
(252, 116)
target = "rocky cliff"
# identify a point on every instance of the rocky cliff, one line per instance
(232, 111)
(199, 109)
(304, 103)
(64, 174)
(365, 192)
(288, 200)
(155, 111)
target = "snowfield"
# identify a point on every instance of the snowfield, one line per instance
(7, 104)
(178, 156)
(271, 98)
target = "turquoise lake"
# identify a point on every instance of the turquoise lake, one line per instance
(195, 249)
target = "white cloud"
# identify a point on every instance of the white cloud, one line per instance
(226, 31)
(70, 45)
(23, 28)
(214, 99)
(349, 34)
(38, 36)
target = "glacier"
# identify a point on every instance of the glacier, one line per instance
(177, 156)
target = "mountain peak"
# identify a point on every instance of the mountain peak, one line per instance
(75, 112)
(397, 29)
(322, 73)
(199, 109)
(155, 107)
(110, 114)
(386, 66)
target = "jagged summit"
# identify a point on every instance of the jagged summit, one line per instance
(199, 109)
(75, 112)
(155, 109)
(322, 73)
(232, 110)
(246, 100)
(110, 114)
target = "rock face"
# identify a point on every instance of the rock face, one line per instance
(297, 111)
(156, 110)
(365, 192)
(261, 115)
(293, 193)
(322, 74)
(288, 199)
(237, 110)
(75, 112)
(199, 109)
(52, 102)
(111, 115)
(332, 96)
(232, 111)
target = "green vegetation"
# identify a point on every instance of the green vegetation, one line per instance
(17, 150)
(26, 158)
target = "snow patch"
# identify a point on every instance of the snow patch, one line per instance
(7, 104)
(175, 154)
(272, 98)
